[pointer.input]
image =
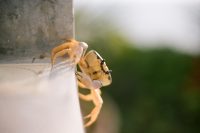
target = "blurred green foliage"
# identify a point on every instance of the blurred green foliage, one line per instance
(156, 90)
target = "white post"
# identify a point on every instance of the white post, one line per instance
(34, 99)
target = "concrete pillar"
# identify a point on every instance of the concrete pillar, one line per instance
(32, 27)
(34, 99)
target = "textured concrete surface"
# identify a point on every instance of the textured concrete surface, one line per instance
(32, 27)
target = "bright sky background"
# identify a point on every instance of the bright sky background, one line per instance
(148, 22)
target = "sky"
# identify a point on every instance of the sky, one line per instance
(152, 23)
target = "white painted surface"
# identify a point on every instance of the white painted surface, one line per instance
(34, 99)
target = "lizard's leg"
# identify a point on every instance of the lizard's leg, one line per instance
(85, 81)
(97, 100)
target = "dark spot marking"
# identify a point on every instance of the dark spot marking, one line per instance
(66, 55)
(87, 65)
(107, 72)
(78, 75)
(79, 80)
(109, 78)
(95, 72)
(102, 62)
(42, 56)
(97, 55)
(103, 69)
